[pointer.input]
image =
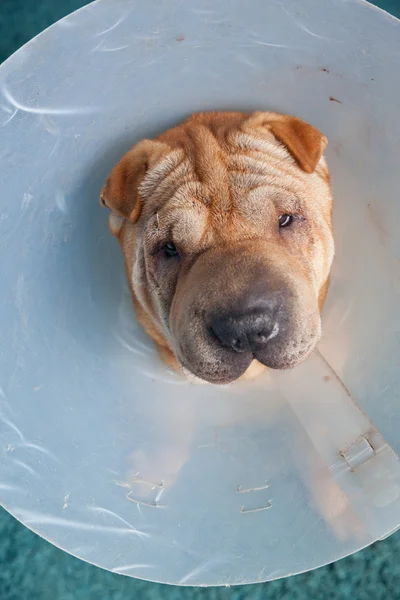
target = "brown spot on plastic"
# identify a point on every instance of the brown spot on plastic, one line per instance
(380, 228)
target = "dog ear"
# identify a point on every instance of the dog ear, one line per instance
(305, 143)
(121, 191)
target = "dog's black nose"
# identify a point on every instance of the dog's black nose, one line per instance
(249, 332)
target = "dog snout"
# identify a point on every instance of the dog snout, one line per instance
(249, 330)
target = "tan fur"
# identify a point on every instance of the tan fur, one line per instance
(216, 184)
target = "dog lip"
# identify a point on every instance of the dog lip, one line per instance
(209, 378)
(286, 362)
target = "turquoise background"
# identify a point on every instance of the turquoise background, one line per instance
(32, 569)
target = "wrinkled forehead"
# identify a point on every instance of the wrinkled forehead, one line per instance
(249, 204)
(242, 181)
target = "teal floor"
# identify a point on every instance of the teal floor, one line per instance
(32, 569)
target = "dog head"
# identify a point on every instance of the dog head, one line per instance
(226, 227)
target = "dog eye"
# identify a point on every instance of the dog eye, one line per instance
(285, 220)
(170, 250)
